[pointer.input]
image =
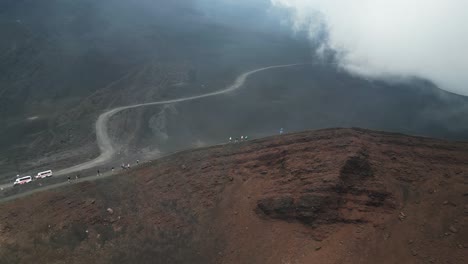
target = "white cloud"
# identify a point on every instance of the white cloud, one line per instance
(424, 38)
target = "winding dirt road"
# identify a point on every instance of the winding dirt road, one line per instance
(104, 142)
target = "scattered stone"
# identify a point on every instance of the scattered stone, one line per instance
(414, 252)
(318, 248)
(402, 216)
(110, 211)
(386, 236)
(453, 229)
(231, 178)
(460, 246)
(410, 242)
(445, 202)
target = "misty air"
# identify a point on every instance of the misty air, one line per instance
(233, 131)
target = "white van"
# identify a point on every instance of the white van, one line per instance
(22, 180)
(44, 174)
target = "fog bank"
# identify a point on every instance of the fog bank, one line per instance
(423, 38)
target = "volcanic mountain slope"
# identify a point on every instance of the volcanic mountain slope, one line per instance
(328, 196)
(62, 63)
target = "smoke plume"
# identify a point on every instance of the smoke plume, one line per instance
(377, 38)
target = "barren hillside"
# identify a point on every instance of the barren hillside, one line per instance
(328, 196)
(62, 63)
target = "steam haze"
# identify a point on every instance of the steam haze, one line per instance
(380, 38)
(64, 63)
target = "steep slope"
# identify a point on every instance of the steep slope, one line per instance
(64, 62)
(328, 196)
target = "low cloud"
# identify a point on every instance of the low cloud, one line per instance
(423, 38)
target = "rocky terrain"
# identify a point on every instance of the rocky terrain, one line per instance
(63, 63)
(327, 196)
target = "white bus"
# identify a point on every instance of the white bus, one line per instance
(44, 174)
(22, 180)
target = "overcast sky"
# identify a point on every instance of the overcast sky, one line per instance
(424, 38)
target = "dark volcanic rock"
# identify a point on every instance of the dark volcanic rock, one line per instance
(277, 207)
(306, 209)
(354, 185)
(356, 169)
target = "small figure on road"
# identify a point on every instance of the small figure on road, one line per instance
(112, 170)
(138, 162)
(242, 138)
(68, 179)
(76, 177)
(98, 173)
(281, 131)
(230, 139)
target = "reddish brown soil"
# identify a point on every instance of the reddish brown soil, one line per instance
(329, 196)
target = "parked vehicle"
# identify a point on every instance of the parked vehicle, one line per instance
(22, 180)
(44, 174)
